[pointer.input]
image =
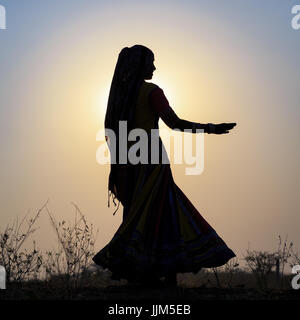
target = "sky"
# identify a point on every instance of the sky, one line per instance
(217, 61)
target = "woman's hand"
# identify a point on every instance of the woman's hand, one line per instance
(221, 128)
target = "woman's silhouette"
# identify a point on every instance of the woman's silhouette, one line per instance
(162, 233)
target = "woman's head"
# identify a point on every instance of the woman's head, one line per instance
(136, 62)
(134, 65)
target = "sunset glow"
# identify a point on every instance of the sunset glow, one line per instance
(214, 64)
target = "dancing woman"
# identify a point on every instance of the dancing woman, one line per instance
(162, 233)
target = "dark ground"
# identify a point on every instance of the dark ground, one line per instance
(36, 291)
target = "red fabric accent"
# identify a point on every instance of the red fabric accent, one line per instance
(158, 100)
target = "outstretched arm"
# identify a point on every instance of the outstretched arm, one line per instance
(160, 105)
(171, 119)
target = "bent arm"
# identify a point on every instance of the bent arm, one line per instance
(160, 105)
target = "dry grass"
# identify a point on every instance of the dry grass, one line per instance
(68, 271)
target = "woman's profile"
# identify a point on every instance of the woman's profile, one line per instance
(162, 233)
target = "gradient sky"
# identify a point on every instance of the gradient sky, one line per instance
(217, 61)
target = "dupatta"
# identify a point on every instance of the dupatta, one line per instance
(132, 65)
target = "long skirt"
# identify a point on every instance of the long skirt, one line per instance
(162, 232)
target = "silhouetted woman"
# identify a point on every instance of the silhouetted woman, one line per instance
(162, 233)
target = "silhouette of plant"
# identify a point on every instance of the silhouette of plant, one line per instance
(69, 266)
(224, 274)
(265, 263)
(261, 263)
(230, 269)
(19, 263)
(295, 258)
(282, 256)
(75, 249)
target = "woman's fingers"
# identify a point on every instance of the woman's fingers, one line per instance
(229, 125)
(222, 128)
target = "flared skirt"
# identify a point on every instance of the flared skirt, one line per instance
(161, 232)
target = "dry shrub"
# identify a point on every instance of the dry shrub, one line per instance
(266, 265)
(75, 249)
(19, 263)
